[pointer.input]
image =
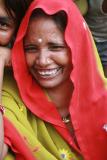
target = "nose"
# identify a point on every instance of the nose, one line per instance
(43, 59)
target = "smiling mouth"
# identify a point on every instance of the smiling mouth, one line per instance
(49, 73)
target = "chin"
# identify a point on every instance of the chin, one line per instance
(45, 85)
(50, 82)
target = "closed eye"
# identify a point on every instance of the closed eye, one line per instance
(30, 49)
(5, 23)
(3, 26)
(56, 47)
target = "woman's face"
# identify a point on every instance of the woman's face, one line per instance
(47, 54)
(7, 26)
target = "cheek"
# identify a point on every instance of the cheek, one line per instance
(5, 37)
(62, 58)
(30, 59)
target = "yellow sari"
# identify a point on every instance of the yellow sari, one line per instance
(41, 138)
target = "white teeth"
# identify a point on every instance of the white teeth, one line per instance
(48, 73)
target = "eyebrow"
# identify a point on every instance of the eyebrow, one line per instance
(54, 43)
(5, 19)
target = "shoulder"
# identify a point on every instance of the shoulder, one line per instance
(9, 83)
(10, 96)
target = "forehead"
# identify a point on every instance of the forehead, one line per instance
(2, 9)
(4, 16)
(1, 2)
(43, 27)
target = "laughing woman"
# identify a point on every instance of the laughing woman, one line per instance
(59, 111)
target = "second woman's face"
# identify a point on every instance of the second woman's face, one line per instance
(7, 26)
(47, 54)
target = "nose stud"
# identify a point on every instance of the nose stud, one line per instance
(43, 62)
(40, 40)
(48, 61)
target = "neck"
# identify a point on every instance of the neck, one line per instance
(61, 97)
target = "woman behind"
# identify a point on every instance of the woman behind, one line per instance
(96, 18)
(10, 18)
(61, 114)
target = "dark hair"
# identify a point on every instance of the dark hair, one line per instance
(16, 9)
(60, 18)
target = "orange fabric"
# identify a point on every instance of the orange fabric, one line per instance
(88, 106)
